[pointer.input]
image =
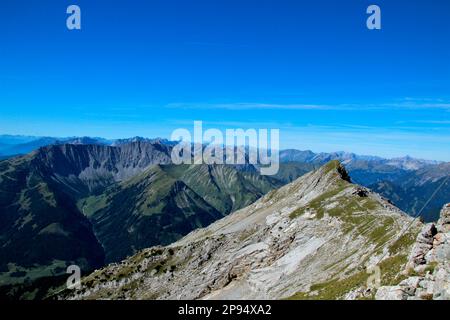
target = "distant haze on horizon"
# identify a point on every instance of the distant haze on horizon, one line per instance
(302, 147)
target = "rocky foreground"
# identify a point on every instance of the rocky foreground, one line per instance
(428, 267)
(320, 237)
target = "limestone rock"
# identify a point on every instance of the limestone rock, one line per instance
(430, 258)
(391, 293)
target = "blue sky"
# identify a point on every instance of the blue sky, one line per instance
(310, 68)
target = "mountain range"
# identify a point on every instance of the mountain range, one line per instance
(92, 204)
(13, 145)
(92, 201)
(315, 238)
(408, 182)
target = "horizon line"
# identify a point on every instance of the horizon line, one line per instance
(36, 137)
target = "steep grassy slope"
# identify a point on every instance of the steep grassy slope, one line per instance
(41, 230)
(166, 202)
(150, 209)
(224, 187)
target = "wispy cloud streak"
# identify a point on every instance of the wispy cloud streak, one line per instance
(399, 105)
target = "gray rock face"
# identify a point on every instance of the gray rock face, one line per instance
(424, 243)
(444, 221)
(391, 293)
(429, 263)
(314, 238)
(88, 168)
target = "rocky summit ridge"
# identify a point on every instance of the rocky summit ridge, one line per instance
(318, 237)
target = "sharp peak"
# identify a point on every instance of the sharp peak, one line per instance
(333, 173)
(337, 167)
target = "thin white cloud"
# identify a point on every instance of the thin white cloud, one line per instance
(250, 106)
(432, 121)
(406, 103)
(417, 105)
(234, 124)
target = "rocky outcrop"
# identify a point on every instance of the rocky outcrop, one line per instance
(428, 269)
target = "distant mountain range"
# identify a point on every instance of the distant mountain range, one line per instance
(354, 160)
(13, 145)
(91, 201)
(406, 181)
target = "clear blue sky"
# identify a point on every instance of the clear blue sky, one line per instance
(310, 68)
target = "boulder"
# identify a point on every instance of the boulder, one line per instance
(391, 293)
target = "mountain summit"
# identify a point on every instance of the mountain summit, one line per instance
(314, 238)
